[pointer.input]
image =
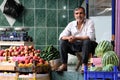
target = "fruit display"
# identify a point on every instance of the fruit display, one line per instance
(26, 59)
(110, 57)
(107, 57)
(109, 60)
(102, 47)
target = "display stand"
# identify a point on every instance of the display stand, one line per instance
(14, 72)
(14, 43)
(11, 70)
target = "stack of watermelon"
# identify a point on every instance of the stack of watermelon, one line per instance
(103, 47)
(109, 57)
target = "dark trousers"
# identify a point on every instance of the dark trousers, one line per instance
(86, 47)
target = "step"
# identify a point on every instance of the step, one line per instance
(70, 74)
(66, 75)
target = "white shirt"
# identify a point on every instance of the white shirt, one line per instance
(87, 29)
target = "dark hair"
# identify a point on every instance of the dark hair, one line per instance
(79, 7)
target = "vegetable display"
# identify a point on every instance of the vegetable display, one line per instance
(50, 53)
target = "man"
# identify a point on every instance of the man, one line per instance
(78, 36)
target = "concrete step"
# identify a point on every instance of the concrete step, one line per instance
(70, 74)
(66, 75)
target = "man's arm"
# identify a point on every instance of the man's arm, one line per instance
(73, 39)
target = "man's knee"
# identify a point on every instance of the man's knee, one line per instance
(63, 42)
(86, 42)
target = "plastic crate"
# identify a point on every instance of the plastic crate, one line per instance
(101, 75)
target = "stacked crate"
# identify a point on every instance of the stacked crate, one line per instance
(101, 75)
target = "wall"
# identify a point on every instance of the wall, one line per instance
(103, 27)
(45, 18)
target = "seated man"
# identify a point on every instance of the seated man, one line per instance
(78, 36)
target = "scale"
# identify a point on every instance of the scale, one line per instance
(15, 34)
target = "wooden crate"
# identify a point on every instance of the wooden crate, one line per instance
(35, 77)
(8, 66)
(8, 76)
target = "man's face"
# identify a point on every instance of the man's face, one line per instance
(79, 15)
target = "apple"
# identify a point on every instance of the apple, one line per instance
(1, 52)
(32, 50)
(35, 51)
(11, 50)
(31, 54)
(27, 61)
(38, 51)
(31, 47)
(31, 60)
(16, 53)
(29, 57)
(14, 47)
(22, 61)
(21, 48)
(17, 48)
(26, 48)
(41, 60)
(36, 54)
(22, 53)
(12, 53)
(35, 57)
(26, 52)
(26, 55)
(19, 61)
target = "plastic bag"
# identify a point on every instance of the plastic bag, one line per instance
(13, 9)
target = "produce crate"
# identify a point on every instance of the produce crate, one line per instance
(8, 66)
(36, 69)
(8, 76)
(34, 77)
(101, 75)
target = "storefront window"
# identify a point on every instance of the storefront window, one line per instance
(100, 7)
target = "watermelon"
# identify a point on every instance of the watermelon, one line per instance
(110, 57)
(95, 68)
(108, 67)
(103, 47)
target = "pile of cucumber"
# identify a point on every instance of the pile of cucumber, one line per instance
(50, 53)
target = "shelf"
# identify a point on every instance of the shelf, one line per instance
(15, 43)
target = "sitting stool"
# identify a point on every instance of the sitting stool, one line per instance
(79, 62)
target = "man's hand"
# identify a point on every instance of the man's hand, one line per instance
(71, 39)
